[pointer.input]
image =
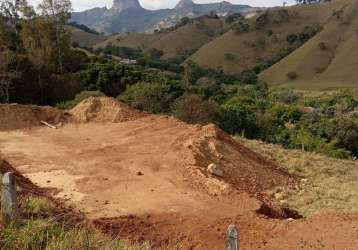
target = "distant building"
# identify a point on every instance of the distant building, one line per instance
(128, 61)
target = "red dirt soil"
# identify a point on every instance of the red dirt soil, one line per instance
(145, 178)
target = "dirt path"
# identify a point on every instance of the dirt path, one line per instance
(146, 180)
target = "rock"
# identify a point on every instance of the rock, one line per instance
(139, 173)
(215, 170)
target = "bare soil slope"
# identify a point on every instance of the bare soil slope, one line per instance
(146, 179)
(17, 116)
(104, 109)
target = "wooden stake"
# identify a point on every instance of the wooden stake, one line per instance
(9, 199)
(48, 125)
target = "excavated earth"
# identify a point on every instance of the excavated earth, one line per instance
(144, 178)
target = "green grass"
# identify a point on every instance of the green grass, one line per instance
(327, 184)
(38, 228)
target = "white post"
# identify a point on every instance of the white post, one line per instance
(232, 238)
(8, 198)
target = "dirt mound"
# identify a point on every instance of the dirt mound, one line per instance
(16, 116)
(104, 109)
(241, 168)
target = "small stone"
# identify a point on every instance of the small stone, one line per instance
(139, 173)
(215, 170)
(48, 181)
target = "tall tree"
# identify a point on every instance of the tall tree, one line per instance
(58, 12)
(12, 14)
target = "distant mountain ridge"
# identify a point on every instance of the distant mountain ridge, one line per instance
(130, 16)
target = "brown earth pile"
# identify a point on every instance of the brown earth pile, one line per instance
(242, 169)
(16, 116)
(104, 109)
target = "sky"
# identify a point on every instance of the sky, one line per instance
(79, 5)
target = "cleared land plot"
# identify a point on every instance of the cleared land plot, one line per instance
(146, 180)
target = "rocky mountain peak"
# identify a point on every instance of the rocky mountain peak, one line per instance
(121, 5)
(184, 3)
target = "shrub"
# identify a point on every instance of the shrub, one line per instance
(236, 118)
(151, 97)
(229, 57)
(262, 20)
(292, 38)
(322, 46)
(292, 75)
(193, 109)
(241, 27)
(248, 77)
(233, 18)
(155, 53)
(288, 96)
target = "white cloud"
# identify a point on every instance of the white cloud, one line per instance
(158, 4)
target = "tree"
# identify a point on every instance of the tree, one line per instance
(150, 97)
(194, 109)
(58, 12)
(236, 116)
(12, 12)
(7, 58)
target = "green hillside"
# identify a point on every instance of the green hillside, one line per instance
(326, 61)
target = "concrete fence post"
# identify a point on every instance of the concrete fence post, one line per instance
(8, 198)
(232, 238)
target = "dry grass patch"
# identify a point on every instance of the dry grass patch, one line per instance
(327, 184)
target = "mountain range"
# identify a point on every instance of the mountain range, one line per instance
(130, 16)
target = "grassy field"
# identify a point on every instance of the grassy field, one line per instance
(85, 39)
(261, 41)
(39, 227)
(327, 185)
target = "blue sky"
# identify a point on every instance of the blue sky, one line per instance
(159, 4)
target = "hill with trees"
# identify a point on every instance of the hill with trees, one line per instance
(328, 60)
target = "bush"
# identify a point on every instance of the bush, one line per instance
(292, 75)
(151, 97)
(288, 96)
(233, 18)
(236, 118)
(262, 20)
(248, 77)
(241, 27)
(229, 57)
(345, 132)
(291, 39)
(193, 109)
(322, 46)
